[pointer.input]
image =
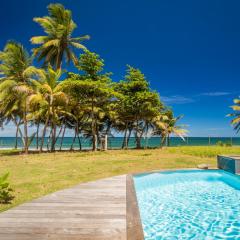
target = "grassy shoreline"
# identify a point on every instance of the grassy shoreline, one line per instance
(35, 175)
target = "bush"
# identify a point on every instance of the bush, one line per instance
(5, 191)
(228, 144)
(222, 144)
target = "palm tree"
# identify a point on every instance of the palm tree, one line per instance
(10, 110)
(15, 83)
(58, 42)
(48, 103)
(166, 124)
(236, 120)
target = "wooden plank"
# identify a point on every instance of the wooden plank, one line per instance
(36, 236)
(84, 210)
(84, 230)
(134, 224)
(95, 210)
(96, 215)
(118, 207)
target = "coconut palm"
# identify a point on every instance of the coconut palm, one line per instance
(15, 83)
(236, 115)
(10, 110)
(48, 103)
(58, 43)
(166, 124)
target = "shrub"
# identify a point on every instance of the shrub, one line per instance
(5, 190)
(220, 143)
(228, 144)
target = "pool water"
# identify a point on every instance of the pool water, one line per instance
(189, 204)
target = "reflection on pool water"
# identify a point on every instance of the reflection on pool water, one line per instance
(189, 204)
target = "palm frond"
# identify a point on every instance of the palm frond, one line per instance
(80, 39)
(39, 39)
(59, 27)
(77, 45)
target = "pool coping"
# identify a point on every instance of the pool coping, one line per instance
(171, 169)
(134, 223)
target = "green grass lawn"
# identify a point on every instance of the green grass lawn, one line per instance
(35, 175)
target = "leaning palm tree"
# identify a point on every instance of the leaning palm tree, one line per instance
(236, 120)
(15, 83)
(58, 43)
(173, 128)
(10, 110)
(48, 103)
(166, 124)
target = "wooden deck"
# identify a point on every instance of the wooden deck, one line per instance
(89, 211)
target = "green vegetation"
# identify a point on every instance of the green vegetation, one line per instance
(58, 42)
(205, 151)
(5, 191)
(236, 115)
(35, 175)
(86, 101)
(222, 144)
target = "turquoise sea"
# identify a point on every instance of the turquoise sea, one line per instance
(116, 142)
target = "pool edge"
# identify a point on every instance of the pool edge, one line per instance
(134, 223)
(171, 169)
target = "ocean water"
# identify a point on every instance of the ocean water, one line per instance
(190, 204)
(116, 142)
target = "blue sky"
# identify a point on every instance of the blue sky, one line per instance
(188, 50)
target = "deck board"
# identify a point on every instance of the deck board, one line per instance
(94, 210)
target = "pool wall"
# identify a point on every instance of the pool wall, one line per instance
(229, 163)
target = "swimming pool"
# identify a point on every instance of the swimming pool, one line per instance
(189, 204)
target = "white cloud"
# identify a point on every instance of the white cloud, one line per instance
(214, 94)
(179, 99)
(176, 99)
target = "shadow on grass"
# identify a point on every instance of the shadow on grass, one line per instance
(9, 152)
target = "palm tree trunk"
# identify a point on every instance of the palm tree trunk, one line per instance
(79, 142)
(129, 135)
(17, 130)
(25, 129)
(94, 145)
(138, 144)
(57, 137)
(168, 140)
(44, 132)
(37, 137)
(75, 135)
(94, 139)
(162, 141)
(62, 137)
(138, 141)
(16, 138)
(54, 128)
(146, 135)
(49, 137)
(124, 143)
(21, 135)
(141, 135)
